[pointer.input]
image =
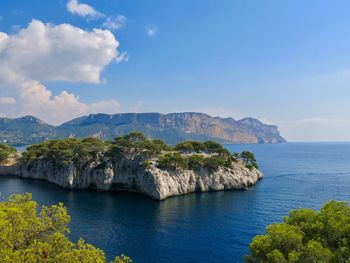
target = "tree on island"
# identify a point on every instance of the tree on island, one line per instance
(306, 236)
(6, 152)
(249, 160)
(30, 235)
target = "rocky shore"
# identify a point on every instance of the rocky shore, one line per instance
(129, 175)
(137, 164)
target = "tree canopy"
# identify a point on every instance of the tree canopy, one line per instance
(6, 152)
(32, 235)
(249, 160)
(61, 152)
(193, 155)
(306, 236)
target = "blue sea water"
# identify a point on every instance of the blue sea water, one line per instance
(203, 227)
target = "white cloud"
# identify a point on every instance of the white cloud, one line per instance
(46, 52)
(151, 31)
(123, 57)
(63, 52)
(6, 101)
(115, 23)
(83, 10)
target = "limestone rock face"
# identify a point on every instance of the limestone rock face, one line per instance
(130, 174)
(171, 128)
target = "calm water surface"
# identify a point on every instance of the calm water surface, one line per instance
(205, 227)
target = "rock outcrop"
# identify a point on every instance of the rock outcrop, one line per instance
(131, 174)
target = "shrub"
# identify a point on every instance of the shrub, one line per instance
(235, 157)
(61, 152)
(6, 152)
(172, 161)
(196, 162)
(214, 147)
(32, 235)
(147, 163)
(137, 140)
(133, 139)
(190, 147)
(155, 146)
(306, 236)
(214, 163)
(249, 160)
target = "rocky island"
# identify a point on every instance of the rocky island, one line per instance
(134, 163)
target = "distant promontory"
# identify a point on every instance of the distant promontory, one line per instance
(172, 128)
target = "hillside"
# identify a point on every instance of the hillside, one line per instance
(171, 128)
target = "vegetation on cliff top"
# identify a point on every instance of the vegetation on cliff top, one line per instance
(6, 152)
(31, 235)
(306, 236)
(191, 155)
(61, 152)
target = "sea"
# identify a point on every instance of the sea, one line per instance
(202, 227)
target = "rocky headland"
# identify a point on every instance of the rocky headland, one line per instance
(133, 163)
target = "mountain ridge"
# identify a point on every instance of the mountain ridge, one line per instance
(171, 127)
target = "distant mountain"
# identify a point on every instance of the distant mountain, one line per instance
(172, 128)
(25, 130)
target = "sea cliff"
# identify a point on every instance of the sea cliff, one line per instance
(134, 163)
(129, 174)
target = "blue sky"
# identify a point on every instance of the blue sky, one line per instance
(284, 62)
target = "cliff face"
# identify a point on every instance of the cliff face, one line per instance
(174, 127)
(171, 128)
(130, 175)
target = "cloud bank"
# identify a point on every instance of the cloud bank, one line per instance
(45, 52)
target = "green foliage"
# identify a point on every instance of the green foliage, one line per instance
(210, 147)
(213, 163)
(249, 160)
(155, 146)
(235, 157)
(136, 141)
(191, 155)
(6, 152)
(214, 147)
(147, 163)
(60, 152)
(133, 139)
(195, 162)
(190, 147)
(172, 161)
(31, 235)
(306, 236)
(122, 259)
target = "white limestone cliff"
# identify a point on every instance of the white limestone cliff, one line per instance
(130, 174)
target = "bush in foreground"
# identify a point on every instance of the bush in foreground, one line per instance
(306, 236)
(30, 235)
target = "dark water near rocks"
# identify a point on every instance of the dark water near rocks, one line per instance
(206, 227)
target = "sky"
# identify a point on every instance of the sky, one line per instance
(284, 62)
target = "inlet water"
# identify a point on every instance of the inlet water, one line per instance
(203, 227)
